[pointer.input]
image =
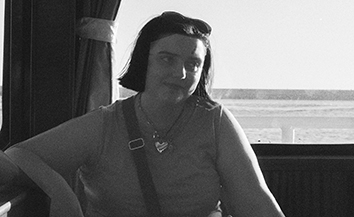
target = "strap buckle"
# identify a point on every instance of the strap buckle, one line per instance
(136, 144)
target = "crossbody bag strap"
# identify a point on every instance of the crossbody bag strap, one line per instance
(136, 146)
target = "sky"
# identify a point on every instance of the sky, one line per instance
(262, 44)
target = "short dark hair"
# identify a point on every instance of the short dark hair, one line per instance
(168, 23)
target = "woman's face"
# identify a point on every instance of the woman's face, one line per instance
(174, 67)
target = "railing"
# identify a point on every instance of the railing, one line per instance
(289, 124)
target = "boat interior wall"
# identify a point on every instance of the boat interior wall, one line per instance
(310, 180)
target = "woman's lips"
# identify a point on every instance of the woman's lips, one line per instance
(174, 86)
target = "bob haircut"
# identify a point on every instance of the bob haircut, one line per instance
(168, 23)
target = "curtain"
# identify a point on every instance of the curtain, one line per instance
(38, 67)
(93, 81)
(51, 75)
(94, 65)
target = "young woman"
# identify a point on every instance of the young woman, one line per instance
(197, 153)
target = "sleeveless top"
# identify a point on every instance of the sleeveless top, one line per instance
(185, 174)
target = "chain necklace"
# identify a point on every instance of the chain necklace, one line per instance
(160, 143)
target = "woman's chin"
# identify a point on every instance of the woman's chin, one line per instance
(174, 97)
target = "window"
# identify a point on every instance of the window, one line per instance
(284, 68)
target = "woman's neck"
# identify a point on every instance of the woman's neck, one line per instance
(163, 114)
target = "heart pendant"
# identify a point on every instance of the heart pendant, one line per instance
(160, 147)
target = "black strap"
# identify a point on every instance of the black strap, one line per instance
(136, 145)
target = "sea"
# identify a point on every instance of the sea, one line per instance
(297, 108)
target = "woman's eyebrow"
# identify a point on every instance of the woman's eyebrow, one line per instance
(167, 52)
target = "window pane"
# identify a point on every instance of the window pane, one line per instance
(266, 48)
(293, 121)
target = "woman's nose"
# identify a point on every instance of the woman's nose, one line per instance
(180, 72)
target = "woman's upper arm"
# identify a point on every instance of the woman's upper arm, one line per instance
(241, 177)
(66, 147)
(8, 170)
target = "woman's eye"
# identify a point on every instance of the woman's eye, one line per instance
(167, 59)
(192, 66)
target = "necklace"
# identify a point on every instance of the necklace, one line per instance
(160, 143)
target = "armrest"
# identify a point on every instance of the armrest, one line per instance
(11, 197)
(6, 206)
(19, 201)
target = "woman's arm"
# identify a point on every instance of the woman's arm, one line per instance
(64, 148)
(8, 170)
(11, 174)
(243, 183)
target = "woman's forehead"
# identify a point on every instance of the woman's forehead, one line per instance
(179, 44)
